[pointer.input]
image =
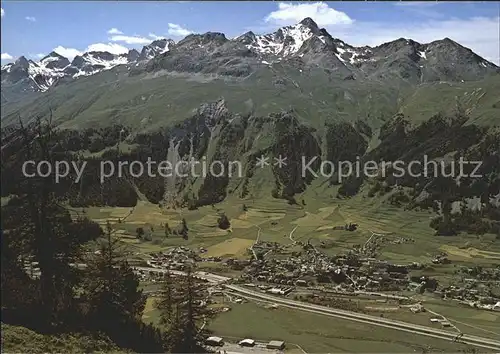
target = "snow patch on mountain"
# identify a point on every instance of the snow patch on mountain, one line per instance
(352, 55)
(7, 67)
(93, 62)
(42, 76)
(157, 47)
(283, 43)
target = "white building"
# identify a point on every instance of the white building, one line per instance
(247, 342)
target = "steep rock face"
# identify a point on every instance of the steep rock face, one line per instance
(32, 76)
(93, 62)
(157, 47)
(55, 61)
(207, 53)
(132, 55)
(286, 41)
(226, 149)
(442, 60)
(293, 142)
(16, 71)
(447, 60)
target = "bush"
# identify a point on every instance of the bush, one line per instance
(223, 222)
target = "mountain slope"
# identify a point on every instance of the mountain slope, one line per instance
(296, 92)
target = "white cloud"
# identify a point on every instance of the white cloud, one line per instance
(69, 53)
(36, 56)
(130, 39)
(30, 18)
(112, 48)
(416, 3)
(320, 12)
(114, 30)
(2, 12)
(6, 56)
(177, 30)
(155, 37)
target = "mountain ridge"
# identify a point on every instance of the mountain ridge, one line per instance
(305, 42)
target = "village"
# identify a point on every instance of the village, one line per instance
(310, 274)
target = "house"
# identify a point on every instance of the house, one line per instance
(276, 344)
(417, 308)
(275, 291)
(246, 342)
(214, 341)
(496, 307)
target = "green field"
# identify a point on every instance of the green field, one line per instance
(314, 222)
(312, 332)
(318, 333)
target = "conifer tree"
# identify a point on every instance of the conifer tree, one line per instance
(111, 288)
(184, 312)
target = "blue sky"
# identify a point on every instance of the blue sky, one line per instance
(34, 28)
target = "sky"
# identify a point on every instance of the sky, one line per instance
(35, 28)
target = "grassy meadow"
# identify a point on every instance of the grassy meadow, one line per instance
(314, 222)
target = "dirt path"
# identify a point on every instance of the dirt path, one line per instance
(256, 240)
(291, 234)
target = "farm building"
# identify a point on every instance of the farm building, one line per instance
(246, 342)
(276, 344)
(214, 341)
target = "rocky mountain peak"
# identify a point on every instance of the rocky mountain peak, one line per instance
(247, 38)
(99, 55)
(22, 62)
(155, 48)
(162, 43)
(211, 38)
(54, 61)
(132, 55)
(450, 41)
(53, 54)
(309, 23)
(286, 41)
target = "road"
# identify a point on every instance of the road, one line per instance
(212, 278)
(359, 317)
(291, 233)
(481, 342)
(256, 240)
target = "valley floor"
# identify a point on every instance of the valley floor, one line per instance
(313, 220)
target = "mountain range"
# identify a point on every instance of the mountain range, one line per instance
(51, 69)
(303, 45)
